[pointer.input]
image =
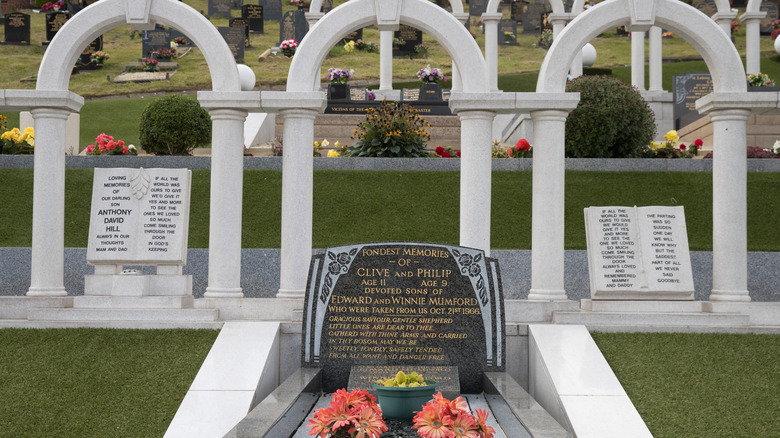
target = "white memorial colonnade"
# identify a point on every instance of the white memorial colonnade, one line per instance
(474, 103)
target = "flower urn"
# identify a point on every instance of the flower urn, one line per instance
(400, 403)
(337, 91)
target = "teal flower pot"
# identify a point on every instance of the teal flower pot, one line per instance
(400, 403)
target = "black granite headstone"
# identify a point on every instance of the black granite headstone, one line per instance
(235, 37)
(272, 9)
(91, 48)
(507, 32)
(687, 89)
(287, 27)
(220, 8)
(301, 25)
(404, 305)
(76, 5)
(241, 23)
(54, 21)
(412, 37)
(477, 7)
(154, 40)
(532, 17)
(253, 14)
(175, 33)
(17, 28)
(770, 7)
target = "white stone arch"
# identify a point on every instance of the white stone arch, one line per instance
(300, 103)
(51, 103)
(728, 107)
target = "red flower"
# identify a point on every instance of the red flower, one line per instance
(457, 153)
(510, 151)
(523, 145)
(698, 143)
(445, 154)
(683, 147)
(439, 150)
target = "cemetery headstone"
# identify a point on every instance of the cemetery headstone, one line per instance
(687, 89)
(175, 33)
(545, 24)
(532, 17)
(220, 8)
(54, 22)
(327, 6)
(301, 25)
(139, 216)
(75, 6)
(477, 7)
(404, 305)
(272, 9)
(517, 11)
(287, 27)
(235, 37)
(621, 31)
(771, 9)
(411, 37)
(241, 23)
(17, 28)
(638, 253)
(154, 40)
(507, 32)
(253, 14)
(352, 36)
(91, 48)
(707, 7)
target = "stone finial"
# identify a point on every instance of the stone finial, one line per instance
(388, 14)
(137, 13)
(642, 15)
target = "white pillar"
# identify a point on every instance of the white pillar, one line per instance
(752, 22)
(548, 205)
(491, 47)
(729, 205)
(724, 19)
(386, 60)
(47, 266)
(656, 59)
(297, 204)
(638, 60)
(227, 180)
(475, 178)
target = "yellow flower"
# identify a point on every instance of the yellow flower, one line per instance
(671, 136)
(332, 153)
(655, 145)
(349, 47)
(336, 144)
(316, 144)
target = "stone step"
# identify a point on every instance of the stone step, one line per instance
(145, 302)
(628, 306)
(130, 325)
(193, 315)
(656, 318)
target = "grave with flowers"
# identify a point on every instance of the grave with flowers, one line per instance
(382, 320)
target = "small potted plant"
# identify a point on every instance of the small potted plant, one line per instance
(166, 54)
(402, 395)
(339, 87)
(432, 79)
(288, 47)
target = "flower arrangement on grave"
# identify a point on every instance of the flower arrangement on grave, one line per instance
(371, 95)
(105, 145)
(319, 145)
(349, 46)
(451, 418)
(775, 29)
(3, 121)
(166, 53)
(288, 47)
(667, 35)
(499, 151)
(181, 41)
(431, 75)
(734, 27)
(521, 149)
(398, 42)
(446, 152)
(754, 152)
(17, 142)
(546, 40)
(390, 130)
(366, 47)
(52, 6)
(421, 50)
(670, 149)
(349, 414)
(340, 75)
(99, 57)
(298, 3)
(509, 37)
(759, 79)
(149, 64)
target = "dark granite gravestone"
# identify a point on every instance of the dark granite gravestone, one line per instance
(235, 37)
(411, 36)
(220, 8)
(74, 6)
(707, 7)
(507, 32)
(770, 7)
(404, 305)
(352, 36)
(287, 27)
(154, 40)
(241, 23)
(17, 28)
(621, 31)
(687, 89)
(517, 11)
(272, 9)
(91, 48)
(532, 17)
(253, 14)
(301, 25)
(54, 22)
(477, 7)
(175, 33)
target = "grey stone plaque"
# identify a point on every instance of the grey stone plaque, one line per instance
(235, 37)
(404, 305)
(16, 26)
(272, 9)
(139, 216)
(687, 89)
(638, 253)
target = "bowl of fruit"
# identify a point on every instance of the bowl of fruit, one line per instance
(402, 395)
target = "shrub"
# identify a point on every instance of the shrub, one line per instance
(391, 130)
(174, 125)
(612, 120)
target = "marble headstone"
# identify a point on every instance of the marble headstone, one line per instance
(404, 305)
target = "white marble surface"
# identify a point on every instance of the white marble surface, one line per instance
(604, 417)
(209, 413)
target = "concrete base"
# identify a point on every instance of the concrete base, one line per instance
(138, 285)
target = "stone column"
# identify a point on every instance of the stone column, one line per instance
(47, 265)
(475, 178)
(752, 22)
(656, 59)
(729, 205)
(227, 182)
(724, 19)
(490, 20)
(297, 204)
(638, 60)
(386, 60)
(548, 205)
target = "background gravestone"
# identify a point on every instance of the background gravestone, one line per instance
(770, 8)
(253, 14)
(241, 23)
(444, 4)
(404, 305)
(272, 9)
(532, 17)
(687, 89)
(154, 40)
(352, 36)
(54, 21)
(74, 6)
(517, 11)
(301, 25)
(220, 8)
(235, 37)
(477, 7)
(176, 33)
(91, 48)
(412, 37)
(507, 26)
(16, 26)
(287, 27)
(327, 6)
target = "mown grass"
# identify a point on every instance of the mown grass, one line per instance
(699, 385)
(363, 206)
(96, 382)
